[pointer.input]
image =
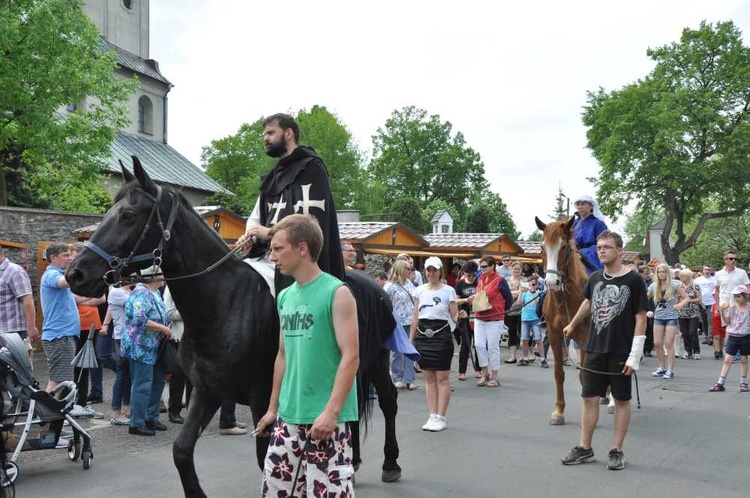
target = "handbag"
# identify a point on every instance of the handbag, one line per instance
(481, 301)
(169, 360)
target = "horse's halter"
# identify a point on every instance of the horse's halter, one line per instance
(116, 264)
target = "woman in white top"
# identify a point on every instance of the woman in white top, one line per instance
(434, 318)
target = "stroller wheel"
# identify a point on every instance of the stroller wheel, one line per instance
(9, 474)
(87, 456)
(74, 450)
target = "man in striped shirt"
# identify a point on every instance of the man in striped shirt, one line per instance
(17, 313)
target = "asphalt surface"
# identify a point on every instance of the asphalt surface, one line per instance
(684, 441)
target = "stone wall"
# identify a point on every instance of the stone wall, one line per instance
(31, 226)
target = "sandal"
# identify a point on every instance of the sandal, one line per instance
(493, 383)
(482, 382)
(744, 387)
(462, 376)
(717, 388)
(477, 375)
(119, 421)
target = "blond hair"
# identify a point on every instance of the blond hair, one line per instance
(660, 293)
(397, 272)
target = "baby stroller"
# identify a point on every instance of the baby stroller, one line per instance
(37, 407)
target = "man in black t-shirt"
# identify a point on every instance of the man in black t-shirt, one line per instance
(465, 289)
(616, 300)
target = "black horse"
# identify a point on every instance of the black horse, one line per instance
(231, 324)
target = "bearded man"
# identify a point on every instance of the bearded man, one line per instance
(298, 183)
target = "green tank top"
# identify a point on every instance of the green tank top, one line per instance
(312, 353)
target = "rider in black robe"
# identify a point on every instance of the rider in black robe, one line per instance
(299, 183)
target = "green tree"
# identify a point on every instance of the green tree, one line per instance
(51, 56)
(227, 201)
(420, 156)
(637, 226)
(719, 236)
(535, 236)
(680, 138)
(561, 210)
(407, 211)
(333, 142)
(478, 220)
(500, 220)
(237, 162)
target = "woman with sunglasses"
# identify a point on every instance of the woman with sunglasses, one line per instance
(489, 323)
(434, 317)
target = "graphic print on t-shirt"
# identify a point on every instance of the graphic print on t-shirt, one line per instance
(298, 321)
(607, 302)
(435, 299)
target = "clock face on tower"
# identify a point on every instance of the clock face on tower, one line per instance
(128, 4)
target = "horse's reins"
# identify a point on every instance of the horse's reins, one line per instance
(116, 264)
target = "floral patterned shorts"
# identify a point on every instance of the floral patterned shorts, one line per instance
(326, 466)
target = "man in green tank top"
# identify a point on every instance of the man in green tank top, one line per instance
(314, 395)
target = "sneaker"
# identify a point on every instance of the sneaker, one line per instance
(532, 359)
(439, 423)
(578, 455)
(615, 460)
(697, 357)
(94, 400)
(399, 385)
(155, 425)
(544, 363)
(669, 374)
(79, 411)
(430, 422)
(232, 431)
(718, 355)
(659, 372)
(95, 414)
(716, 388)
(523, 363)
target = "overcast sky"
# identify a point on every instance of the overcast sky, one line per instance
(513, 78)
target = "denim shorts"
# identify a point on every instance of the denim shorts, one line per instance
(670, 322)
(531, 329)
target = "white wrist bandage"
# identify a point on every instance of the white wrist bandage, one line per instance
(636, 352)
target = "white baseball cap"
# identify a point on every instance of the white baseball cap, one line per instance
(434, 262)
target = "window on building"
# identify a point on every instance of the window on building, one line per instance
(145, 115)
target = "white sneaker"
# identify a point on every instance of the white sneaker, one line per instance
(697, 357)
(430, 423)
(94, 413)
(440, 424)
(80, 412)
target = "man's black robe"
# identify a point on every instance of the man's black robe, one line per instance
(299, 183)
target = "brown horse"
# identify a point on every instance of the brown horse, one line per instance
(564, 281)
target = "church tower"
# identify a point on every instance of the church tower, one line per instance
(124, 25)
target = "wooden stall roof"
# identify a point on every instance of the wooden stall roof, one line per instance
(14, 245)
(471, 245)
(382, 237)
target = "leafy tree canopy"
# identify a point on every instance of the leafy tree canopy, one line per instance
(499, 219)
(680, 138)
(718, 236)
(238, 161)
(421, 157)
(51, 56)
(407, 211)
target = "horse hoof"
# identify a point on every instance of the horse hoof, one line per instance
(391, 475)
(557, 420)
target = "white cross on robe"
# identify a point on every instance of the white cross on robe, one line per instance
(278, 206)
(305, 204)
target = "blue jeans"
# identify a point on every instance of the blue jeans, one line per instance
(147, 383)
(402, 368)
(121, 387)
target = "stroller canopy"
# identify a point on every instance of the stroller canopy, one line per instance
(13, 353)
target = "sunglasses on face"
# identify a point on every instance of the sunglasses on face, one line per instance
(730, 259)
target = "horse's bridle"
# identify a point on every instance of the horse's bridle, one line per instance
(563, 275)
(116, 264)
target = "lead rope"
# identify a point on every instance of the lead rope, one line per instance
(305, 450)
(635, 376)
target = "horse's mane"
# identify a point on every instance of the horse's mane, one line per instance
(129, 188)
(577, 272)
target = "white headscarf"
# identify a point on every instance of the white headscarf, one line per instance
(587, 198)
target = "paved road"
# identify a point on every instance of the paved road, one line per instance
(684, 442)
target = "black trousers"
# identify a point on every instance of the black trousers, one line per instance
(178, 384)
(513, 322)
(648, 346)
(467, 347)
(689, 329)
